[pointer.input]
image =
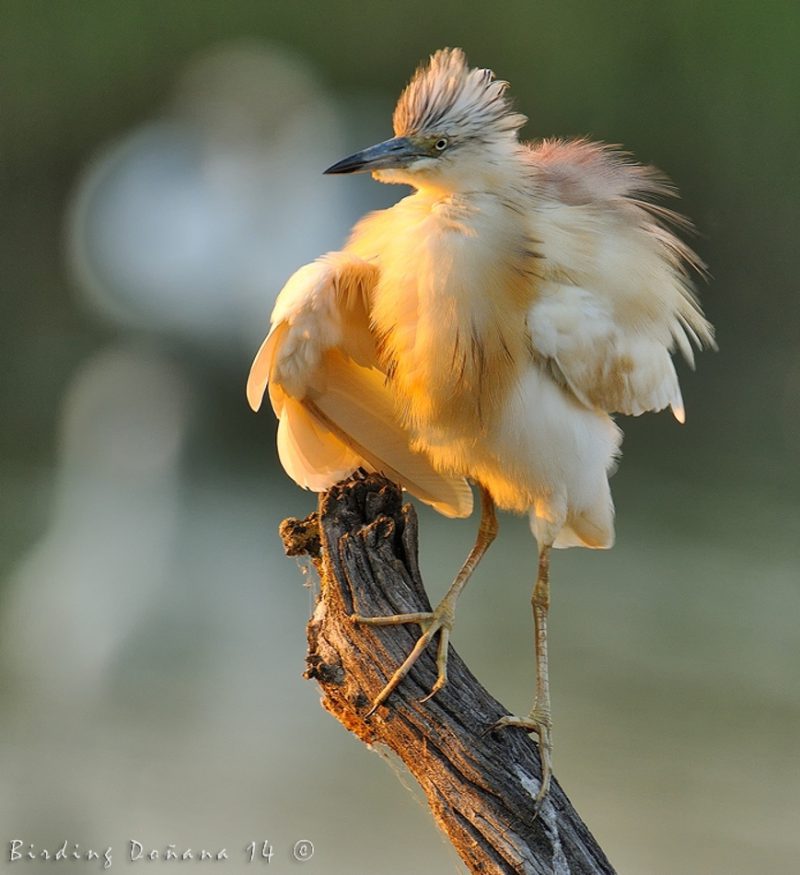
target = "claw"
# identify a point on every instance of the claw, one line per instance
(431, 623)
(541, 724)
(441, 660)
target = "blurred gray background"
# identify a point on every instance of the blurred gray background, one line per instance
(160, 167)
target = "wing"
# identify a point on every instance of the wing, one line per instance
(616, 298)
(334, 406)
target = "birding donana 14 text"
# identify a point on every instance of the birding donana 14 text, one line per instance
(485, 328)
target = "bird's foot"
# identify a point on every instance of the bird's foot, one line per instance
(540, 722)
(439, 620)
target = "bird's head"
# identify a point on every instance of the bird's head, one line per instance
(453, 126)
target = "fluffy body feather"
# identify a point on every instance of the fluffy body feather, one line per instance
(488, 325)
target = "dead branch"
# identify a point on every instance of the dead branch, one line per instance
(480, 784)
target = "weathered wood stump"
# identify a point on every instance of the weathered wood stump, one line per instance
(480, 784)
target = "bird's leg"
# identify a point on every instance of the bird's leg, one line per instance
(539, 720)
(441, 619)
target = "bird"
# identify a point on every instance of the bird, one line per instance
(486, 329)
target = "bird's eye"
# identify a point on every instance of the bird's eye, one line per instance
(441, 144)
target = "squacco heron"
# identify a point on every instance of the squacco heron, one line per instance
(485, 328)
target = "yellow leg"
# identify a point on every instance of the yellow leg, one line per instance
(539, 720)
(441, 619)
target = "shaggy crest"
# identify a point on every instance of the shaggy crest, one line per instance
(446, 95)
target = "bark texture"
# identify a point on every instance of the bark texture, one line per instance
(480, 784)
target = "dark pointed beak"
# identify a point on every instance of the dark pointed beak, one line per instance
(395, 153)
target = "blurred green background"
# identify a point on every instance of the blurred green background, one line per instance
(160, 171)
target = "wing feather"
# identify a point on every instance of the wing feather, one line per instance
(310, 453)
(357, 407)
(262, 367)
(335, 407)
(615, 299)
